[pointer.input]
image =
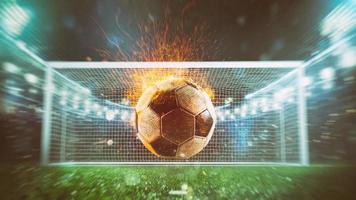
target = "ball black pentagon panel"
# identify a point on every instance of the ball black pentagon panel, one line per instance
(164, 101)
(191, 99)
(178, 126)
(164, 147)
(204, 122)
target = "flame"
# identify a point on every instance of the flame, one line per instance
(165, 40)
(145, 78)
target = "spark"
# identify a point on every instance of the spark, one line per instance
(164, 40)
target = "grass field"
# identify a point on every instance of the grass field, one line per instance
(189, 182)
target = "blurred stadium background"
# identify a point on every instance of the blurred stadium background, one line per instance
(320, 33)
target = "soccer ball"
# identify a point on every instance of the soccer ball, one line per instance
(175, 119)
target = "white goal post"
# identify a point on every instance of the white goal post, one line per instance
(260, 106)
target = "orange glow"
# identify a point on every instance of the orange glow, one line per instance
(145, 78)
(165, 40)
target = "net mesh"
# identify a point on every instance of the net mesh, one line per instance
(92, 111)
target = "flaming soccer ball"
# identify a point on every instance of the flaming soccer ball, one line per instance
(175, 119)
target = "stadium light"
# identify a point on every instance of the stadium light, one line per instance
(348, 58)
(96, 107)
(263, 104)
(227, 112)
(99, 113)
(327, 73)
(327, 85)
(105, 109)
(30, 78)
(87, 102)
(110, 142)
(76, 99)
(76, 105)
(307, 81)
(339, 22)
(86, 90)
(264, 108)
(32, 91)
(277, 106)
(10, 68)
(110, 115)
(290, 99)
(64, 93)
(13, 19)
(125, 101)
(87, 106)
(220, 115)
(232, 117)
(63, 102)
(76, 102)
(124, 115)
(254, 106)
(243, 111)
(253, 111)
(228, 100)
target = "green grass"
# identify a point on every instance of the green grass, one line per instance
(153, 182)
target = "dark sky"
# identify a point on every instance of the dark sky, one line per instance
(242, 29)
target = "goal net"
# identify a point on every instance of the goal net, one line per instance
(260, 108)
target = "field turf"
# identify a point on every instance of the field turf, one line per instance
(177, 182)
